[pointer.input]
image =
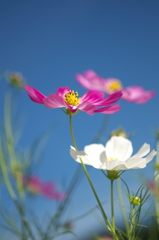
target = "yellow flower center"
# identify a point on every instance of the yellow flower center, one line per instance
(115, 85)
(71, 98)
(110, 159)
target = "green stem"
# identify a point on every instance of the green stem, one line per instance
(157, 204)
(95, 194)
(5, 174)
(72, 135)
(8, 128)
(156, 181)
(112, 209)
(92, 187)
(122, 205)
(24, 221)
(112, 204)
(132, 220)
(10, 139)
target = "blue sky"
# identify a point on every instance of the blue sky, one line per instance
(49, 42)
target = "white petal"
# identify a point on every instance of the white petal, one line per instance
(119, 148)
(76, 155)
(144, 150)
(90, 155)
(113, 165)
(94, 150)
(96, 154)
(150, 156)
(120, 167)
(139, 162)
(135, 162)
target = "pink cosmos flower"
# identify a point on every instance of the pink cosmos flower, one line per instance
(92, 81)
(89, 102)
(35, 186)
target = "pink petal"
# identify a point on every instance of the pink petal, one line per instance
(62, 91)
(90, 74)
(108, 110)
(137, 94)
(92, 96)
(87, 107)
(146, 97)
(49, 190)
(54, 101)
(90, 80)
(34, 94)
(49, 186)
(46, 189)
(111, 99)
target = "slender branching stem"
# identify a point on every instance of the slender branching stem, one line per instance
(110, 227)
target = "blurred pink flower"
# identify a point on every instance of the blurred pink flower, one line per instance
(154, 187)
(35, 186)
(150, 185)
(64, 97)
(92, 81)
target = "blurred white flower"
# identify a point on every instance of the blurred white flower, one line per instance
(116, 155)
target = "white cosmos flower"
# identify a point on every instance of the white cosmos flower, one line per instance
(116, 155)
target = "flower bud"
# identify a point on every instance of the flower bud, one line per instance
(119, 132)
(112, 174)
(16, 80)
(135, 200)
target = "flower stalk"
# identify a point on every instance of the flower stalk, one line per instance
(122, 205)
(10, 143)
(110, 226)
(132, 225)
(72, 134)
(112, 203)
(5, 174)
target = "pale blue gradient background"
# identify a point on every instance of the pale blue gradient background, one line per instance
(49, 42)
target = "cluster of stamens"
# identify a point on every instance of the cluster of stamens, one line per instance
(115, 85)
(71, 98)
(110, 159)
